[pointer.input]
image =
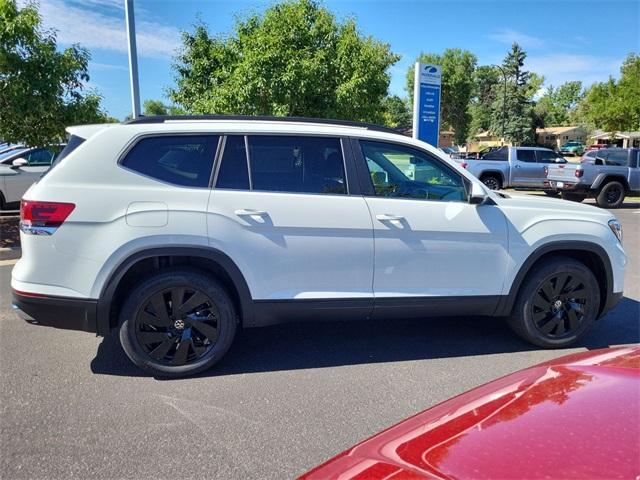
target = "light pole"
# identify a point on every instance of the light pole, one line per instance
(133, 57)
(504, 102)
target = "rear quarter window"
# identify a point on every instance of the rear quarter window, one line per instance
(184, 160)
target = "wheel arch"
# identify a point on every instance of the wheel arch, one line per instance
(605, 178)
(132, 268)
(592, 255)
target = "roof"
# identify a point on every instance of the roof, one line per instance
(558, 130)
(628, 135)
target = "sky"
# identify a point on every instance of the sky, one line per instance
(565, 40)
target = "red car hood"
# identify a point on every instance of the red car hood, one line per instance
(575, 417)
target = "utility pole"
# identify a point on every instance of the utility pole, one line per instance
(133, 57)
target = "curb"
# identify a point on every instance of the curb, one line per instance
(10, 253)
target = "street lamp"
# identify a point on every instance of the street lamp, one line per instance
(504, 101)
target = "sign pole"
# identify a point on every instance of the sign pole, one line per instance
(133, 57)
(416, 99)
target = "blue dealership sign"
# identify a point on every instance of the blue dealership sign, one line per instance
(426, 103)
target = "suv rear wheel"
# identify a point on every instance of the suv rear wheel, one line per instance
(557, 303)
(176, 323)
(611, 195)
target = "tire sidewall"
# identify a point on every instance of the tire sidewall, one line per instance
(526, 326)
(163, 280)
(494, 179)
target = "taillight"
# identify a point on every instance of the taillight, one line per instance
(546, 171)
(578, 173)
(464, 164)
(43, 218)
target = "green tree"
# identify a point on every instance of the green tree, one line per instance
(487, 79)
(615, 105)
(396, 112)
(157, 107)
(557, 105)
(458, 67)
(295, 59)
(512, 114)
(41, 88)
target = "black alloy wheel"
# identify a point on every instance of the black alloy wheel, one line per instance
(178, 325)
(558, 307)
(491, 182)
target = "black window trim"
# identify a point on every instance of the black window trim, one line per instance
(364, 177)
(138, 138)
(351, 186)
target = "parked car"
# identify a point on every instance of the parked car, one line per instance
(19, 168)
(547, 421)
(176, 231)
(596, 146)
(589, 157)
(572, 148)
(613, 174)
(513, 167)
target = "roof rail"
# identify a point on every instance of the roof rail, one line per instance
(322, 121)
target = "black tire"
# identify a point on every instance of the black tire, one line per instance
(611, 195)
(551, 193)
(573, 197)
(558, 303)
(185, 339)
(492, 182)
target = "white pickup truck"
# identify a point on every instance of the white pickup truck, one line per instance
(613, 175)
(514, 167)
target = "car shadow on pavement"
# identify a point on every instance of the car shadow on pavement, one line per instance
(329, 344)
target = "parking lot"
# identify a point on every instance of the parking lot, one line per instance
(285, 398)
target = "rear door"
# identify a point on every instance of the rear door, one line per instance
(526, 172)
(283, 209)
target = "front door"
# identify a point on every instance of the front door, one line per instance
(430, 243)
(18, 181)
(281, 210)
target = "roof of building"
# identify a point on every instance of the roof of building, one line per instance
(557, 130)
(601, 134)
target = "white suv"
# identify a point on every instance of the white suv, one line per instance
(178, 231)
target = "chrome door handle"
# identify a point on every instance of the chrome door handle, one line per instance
(388, 217)
(244, 212)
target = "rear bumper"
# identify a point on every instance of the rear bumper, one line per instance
(58, 312)
(567, 185)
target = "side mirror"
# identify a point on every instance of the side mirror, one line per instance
(19, 162)
(478, 195)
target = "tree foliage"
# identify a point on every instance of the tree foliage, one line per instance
(41, 88)
(512, 111)
(397, 112)
(457, 88)
(295, 59)
(557, 105)
(615, 105)
(152, 107)
(486, 79)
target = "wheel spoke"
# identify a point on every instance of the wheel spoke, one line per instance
(540, 302)
(160, 307)
(207, 330)
(182, 352)
(547, 327)
(161, 350)
(148, 319)
(561, 329)
(548, 291)
(194, 301)
(572, 315)
(538, 316)
(147, 338)
(177, 296)
(561, 281)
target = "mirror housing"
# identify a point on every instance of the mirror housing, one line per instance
(19, 162)
(478, 195)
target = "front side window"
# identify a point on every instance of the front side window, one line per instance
(399, 171)
(297, 164)
(526, 156)
(183, 160)
(41, 157)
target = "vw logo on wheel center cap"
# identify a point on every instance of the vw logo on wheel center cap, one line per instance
(179, 324)
(557, 304)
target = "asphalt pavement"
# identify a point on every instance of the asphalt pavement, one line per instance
(283, 400)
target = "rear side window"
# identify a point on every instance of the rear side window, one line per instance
(297, 164)
(527, 156)
(617, 157)
(73, 143)
(233, 172)
(184, 160)
(501, 153)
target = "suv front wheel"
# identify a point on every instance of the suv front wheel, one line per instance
(178, 322)
(558, 303)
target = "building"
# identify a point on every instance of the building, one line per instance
(620, 139)
(555, 137)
